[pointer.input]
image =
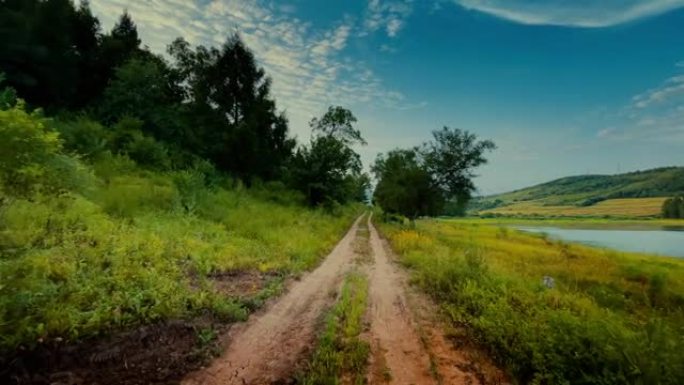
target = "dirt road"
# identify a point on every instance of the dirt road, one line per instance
(267, 348)
(407, 348)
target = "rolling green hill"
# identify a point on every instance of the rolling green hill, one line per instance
(588, 190)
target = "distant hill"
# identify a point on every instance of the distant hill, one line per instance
(588, 190)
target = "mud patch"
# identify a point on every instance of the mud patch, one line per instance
(243, 283)
(154, 354)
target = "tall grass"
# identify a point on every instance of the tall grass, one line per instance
(611, 318)
(138, 246)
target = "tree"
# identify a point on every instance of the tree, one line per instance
(405, 186)
(329, 170)
(423, 180)
(451, 159)
(142, 88)
(241, 129)
(673, 207)
(87, 35)
(337, 122)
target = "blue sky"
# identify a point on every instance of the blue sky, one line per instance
(563, 87)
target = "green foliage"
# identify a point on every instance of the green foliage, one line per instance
(423, 181)
(338, 122)
(8, 96)
(31, 158)
(128, 139)
(674, 207)
(601, 324)
(84, 137)
(451, 159)
(142, 88)
(329, 171)
(240, 129)
(405, 186)
(122, 221)
(129, 253)
(341, 353)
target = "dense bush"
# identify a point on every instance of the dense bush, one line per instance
(674, 207)
(31, 157)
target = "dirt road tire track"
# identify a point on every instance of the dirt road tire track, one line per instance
(397, 354)
(267, 348)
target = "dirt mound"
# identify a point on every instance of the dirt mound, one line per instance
(153, 354)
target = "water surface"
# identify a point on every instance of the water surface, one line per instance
(667, 242)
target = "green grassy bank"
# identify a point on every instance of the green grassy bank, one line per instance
(612, 318)
(132, 246)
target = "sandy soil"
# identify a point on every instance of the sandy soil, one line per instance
(268, 347)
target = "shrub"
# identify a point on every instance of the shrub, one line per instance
(84, 136)
(31, 158)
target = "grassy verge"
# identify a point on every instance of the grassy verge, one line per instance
(133, 247)
(341, 355)
(610, 318)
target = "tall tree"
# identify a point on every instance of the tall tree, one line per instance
(87, 35)
(231, 95)
(329, 170)
(451, 158)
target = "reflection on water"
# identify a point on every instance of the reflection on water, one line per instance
(669, 241)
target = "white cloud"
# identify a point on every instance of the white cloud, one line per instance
(673, 89)
(389, 15)
(656, 114)
(575, 13)
(308, 66)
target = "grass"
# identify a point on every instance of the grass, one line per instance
(136, 246)
(612, 317)
(628, 207)
(362, 246)
(341, 355)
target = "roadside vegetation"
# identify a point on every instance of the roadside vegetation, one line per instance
(132, 186)
(603, 317)
(341, 355)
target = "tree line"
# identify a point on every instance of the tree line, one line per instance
(201, 107)
(109, 93)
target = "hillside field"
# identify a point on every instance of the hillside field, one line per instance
(626, 207)
(634, 194)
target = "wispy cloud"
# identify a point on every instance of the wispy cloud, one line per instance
(389, 15)
(575, 13)
(656, 114)
(308, 66)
